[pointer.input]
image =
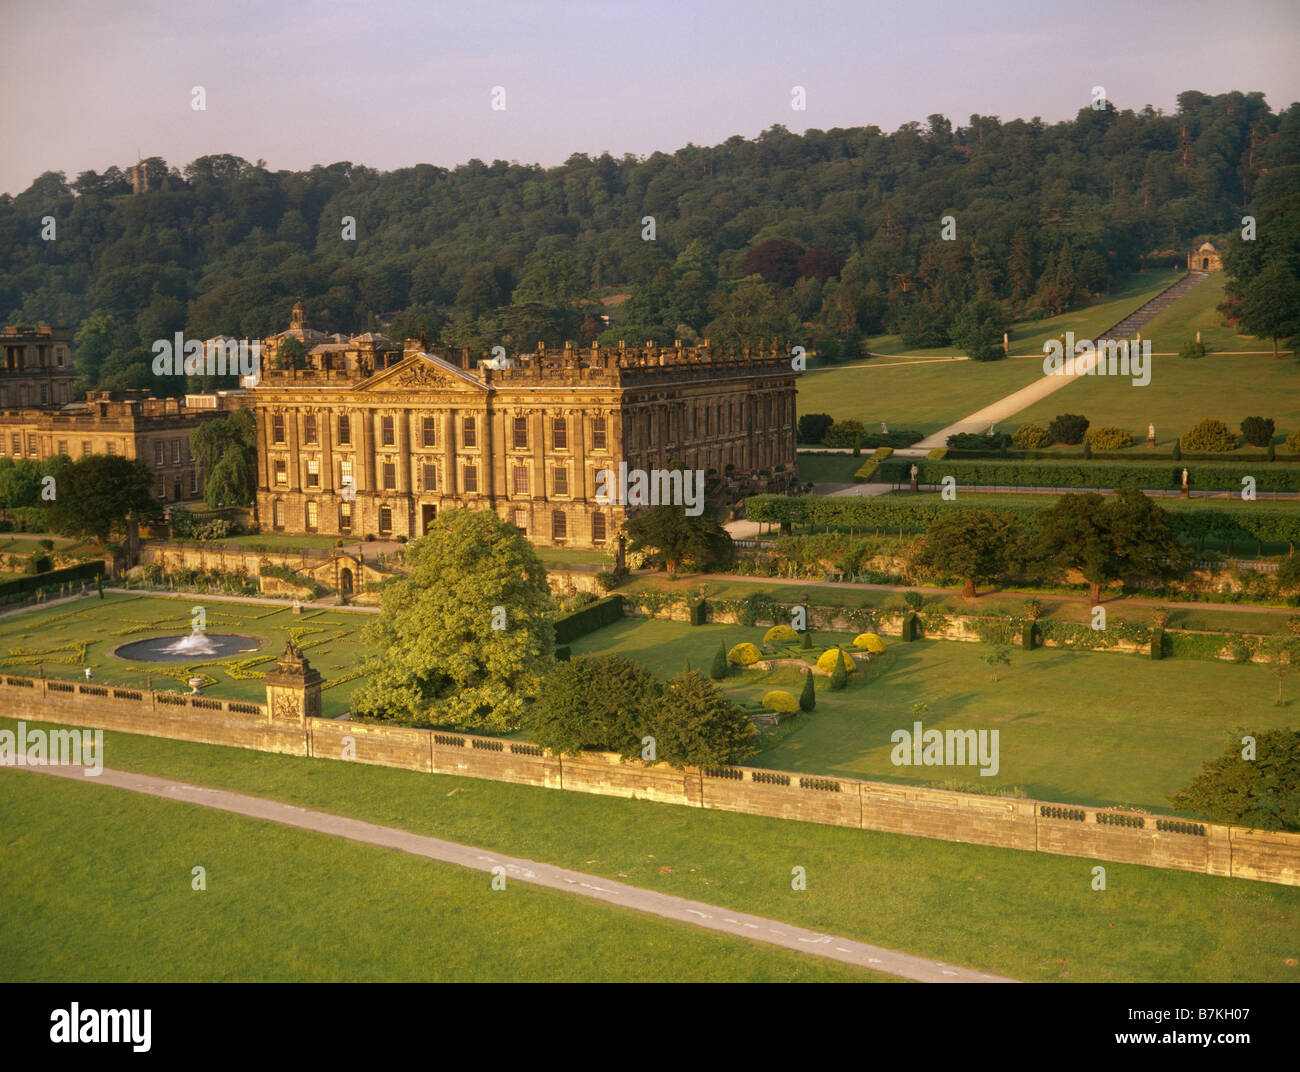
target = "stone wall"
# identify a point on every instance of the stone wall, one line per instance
(1028, 825)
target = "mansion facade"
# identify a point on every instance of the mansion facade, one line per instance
(368, 437)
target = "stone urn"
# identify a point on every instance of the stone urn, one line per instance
(195, 683)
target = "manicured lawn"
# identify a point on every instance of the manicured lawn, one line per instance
(829, 468)
(1028, 336)
(84, 903)
(1025, 915)
(920, 395)
(63, 640)
(1198, 311)
(1228, 387)
(1076, 727)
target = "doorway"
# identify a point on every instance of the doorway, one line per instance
(427, 514)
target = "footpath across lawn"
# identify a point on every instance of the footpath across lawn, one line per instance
(1024, 915)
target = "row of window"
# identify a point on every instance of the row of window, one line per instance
(520, 478)
(160, 451)
(161, 486)
(429, 431)
(559, 520)
(33, 446)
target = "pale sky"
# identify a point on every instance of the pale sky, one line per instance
(87, 85)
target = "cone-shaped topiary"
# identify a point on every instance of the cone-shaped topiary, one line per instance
(719, 668)
(808, 697)
(832, 656)
(806, 642)
(839, 676)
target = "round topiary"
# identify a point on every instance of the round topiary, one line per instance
(781, 702)
(779, 634)
(826, 661)
(1030, 437)
(1208, 437)
(744, 655)
(1293, 442)
(1109, 438)
(869, 641)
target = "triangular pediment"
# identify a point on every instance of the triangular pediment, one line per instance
(421, 372)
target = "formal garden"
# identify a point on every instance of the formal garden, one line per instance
(64, 640)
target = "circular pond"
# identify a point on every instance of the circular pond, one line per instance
(187, 647)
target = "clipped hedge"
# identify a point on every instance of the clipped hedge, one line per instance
(902, 514)
(826, 661)
(1276, 476)
(870, 641)
(780, 634)
(1031, 437)
(745, 654)
(781, 702)
(588, 619)
(21, 586)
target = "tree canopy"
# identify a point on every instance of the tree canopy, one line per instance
(464, 636)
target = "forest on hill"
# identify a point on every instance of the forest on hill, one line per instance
(823, 239)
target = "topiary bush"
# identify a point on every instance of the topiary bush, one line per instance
(1258, 431)
(845, 434)
(719, 668)
(745, 654)
(1293, 442)
(1208, 437)
(839, 675)
(1031, 437)
(1108, 438)
(808, 695)
(870, 641)
(781, 702)
(805, 639)
(1068, 428)
(779, 634)
(828, 659)
(814, 426)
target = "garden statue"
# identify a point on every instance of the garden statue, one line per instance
(915, 473)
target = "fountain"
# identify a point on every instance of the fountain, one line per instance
(197, 643)
(197, 646)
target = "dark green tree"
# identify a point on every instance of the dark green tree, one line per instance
(808, 695)
(1263, 792)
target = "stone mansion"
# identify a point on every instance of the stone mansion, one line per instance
(369, 437)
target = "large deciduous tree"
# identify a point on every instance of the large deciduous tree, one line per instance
(970, 544)
(94, 494)
(464, 637)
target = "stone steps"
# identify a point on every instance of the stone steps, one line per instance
(1139, 318)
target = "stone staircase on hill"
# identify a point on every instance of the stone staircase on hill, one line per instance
(1139, 318)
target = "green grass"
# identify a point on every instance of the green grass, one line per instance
(923, 395)
(1228, 387)
(830, 468)
(1077, 727)
(1024, 915)
(94, 908)
(51, 639)
(1198, 311)
(1028, 336)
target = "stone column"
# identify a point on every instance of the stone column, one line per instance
(326, 433)
(293, 689)
(295, 450)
